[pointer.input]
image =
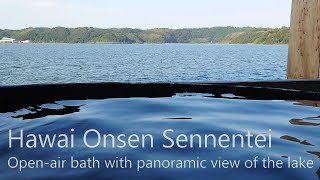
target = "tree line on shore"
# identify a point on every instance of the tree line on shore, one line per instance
(226, 35)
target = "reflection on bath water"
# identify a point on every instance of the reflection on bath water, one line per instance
(295, 133)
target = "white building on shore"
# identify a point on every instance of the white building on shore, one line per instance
(25, 42)
(7, 40)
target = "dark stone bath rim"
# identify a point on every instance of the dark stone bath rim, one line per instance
(13, 98)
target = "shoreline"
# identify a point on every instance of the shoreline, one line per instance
(146, 43)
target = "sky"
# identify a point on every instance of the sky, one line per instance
(144, 14)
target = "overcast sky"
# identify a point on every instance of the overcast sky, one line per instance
(144, 14)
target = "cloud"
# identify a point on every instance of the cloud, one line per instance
(30, 3)
(43, 3)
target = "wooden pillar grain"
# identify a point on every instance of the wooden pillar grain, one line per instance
(304, 42)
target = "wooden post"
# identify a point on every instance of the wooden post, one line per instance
(304, 42)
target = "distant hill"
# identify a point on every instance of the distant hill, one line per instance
(234, 35)
(259, 36)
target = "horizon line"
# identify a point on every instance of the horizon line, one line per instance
(147, 28)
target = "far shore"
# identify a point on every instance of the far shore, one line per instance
(117, 43)
(209, 35)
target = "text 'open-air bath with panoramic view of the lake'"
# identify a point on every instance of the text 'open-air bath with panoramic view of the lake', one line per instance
(165, 89)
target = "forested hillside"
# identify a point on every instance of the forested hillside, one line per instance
(234, 35)
(259, 36)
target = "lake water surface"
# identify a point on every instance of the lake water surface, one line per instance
(65, 63)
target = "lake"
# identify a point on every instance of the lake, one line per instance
(294, 125)
(66, 63)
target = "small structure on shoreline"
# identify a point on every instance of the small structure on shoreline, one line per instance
(7, 40)
(25, 41)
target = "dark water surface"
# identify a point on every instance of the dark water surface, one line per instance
(295, 131)
(65, 63)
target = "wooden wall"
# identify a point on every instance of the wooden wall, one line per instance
(304, 42)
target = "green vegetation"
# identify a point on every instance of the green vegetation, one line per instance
(259, 36)
(229, 35)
